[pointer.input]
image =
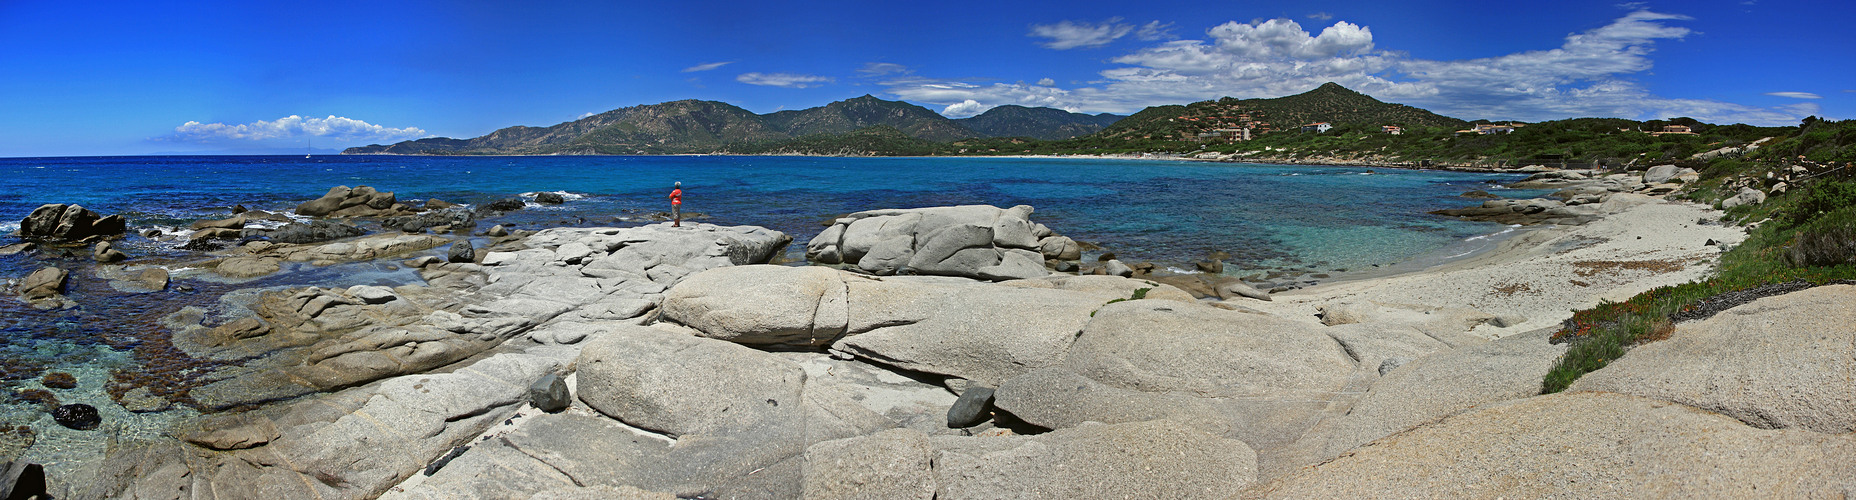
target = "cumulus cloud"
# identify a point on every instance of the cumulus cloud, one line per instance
(1797, 95)
(334, 127)
(964, 109)
(1046, 82)
(1588, 74)
(788, 80)
(706, 66)
(1156, 31)
(1067, 35)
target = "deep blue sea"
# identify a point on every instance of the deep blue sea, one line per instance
(1317, 219)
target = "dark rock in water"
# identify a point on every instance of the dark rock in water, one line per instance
(505, 205)
(22, 480)
(1209, 266)
(204, 245)
(70, 223)
(549, 394)
(973, 408)
(44, 283)
(362, 201)
(232, 223)
(1480, 195)
(455, 217)
(58, 380)
(550, 198)
(1105, 257)
(239, 209)
(78, 416)
(107, 253)
(313, 232)
(461, 252)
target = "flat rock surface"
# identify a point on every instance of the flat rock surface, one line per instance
(1583, 445)
(1780, 362)
(1153, 459)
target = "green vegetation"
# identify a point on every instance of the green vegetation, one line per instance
(881, 140)
(1139, 293)
(1805, 234)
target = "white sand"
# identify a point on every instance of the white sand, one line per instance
(1544, 275)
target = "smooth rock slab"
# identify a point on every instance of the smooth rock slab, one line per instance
(1780, 362)
(1155, 459)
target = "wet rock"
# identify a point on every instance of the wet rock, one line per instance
(549, 198)
(17, 248)
(313, 232)
(77, 416)
(70, 223)
(142, 400)
(362, 201)
(58, 380)
(107, 253)
(44, 283)
(505, 205)
(461, 251)
(230, 223)
(1480, 195)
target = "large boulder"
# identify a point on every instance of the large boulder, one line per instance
(45, 283)
(1256, 378)
(975, 241)
(1659, 174)
(1156, 459)
(1534, 211)
(949, 326)
(1581, 444)
(1746, 196)
(70, 223)
(362, 201)
(1779, 362)
(682, 385)
(311, 232)
(890, 464)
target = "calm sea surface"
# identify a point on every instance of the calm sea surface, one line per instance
(1172, 213)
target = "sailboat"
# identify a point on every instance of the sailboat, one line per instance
(309, 147)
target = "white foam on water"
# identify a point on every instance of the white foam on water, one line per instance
(9, 227)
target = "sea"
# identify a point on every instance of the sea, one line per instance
(1301, 220)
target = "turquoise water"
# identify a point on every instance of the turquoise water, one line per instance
(1162, 211)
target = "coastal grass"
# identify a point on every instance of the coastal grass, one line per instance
(1807, 237)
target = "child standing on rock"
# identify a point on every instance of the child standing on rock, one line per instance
(676, 205)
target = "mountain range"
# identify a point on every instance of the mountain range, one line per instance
(869, 125)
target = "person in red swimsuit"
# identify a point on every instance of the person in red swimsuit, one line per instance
(676, 205)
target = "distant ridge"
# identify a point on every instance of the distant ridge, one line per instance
(1330, 103)
(692, 126)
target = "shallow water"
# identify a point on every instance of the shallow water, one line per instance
(1311, 218)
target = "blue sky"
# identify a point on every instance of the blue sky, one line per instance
(112, 78)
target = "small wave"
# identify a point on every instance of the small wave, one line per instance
(9, 227)
(1181, 270)
(1505, 230)
(564, 195)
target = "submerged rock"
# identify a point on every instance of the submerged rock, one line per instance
(77, 416)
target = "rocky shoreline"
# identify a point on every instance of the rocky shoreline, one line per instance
(965, 352)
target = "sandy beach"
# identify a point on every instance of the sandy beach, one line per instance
(1542, 275)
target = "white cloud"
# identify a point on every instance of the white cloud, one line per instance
(1588, 74)
(1154, 31)
(788, 80)
(1067, 35)
(872, 70)
(965, 109)
(1320, 16)
(1797, 95)
(1046, 82)
(706, 66)
(335, 127)
(585, 115)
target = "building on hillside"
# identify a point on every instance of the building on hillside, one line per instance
(1392, 129)
(1674, 130)
(1318, 127)
(1225, 135)
(1491, 128)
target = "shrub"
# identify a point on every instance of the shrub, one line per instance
(1827, 241)
(1824, 198)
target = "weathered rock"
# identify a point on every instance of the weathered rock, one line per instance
(1534, 211)
(1209, 266)
(362, 201)
(1746, 196)
(1659, 174)
(313, 232)
(973, 408)
(764, 305)
(232, 432)
(1256, 378)
(1131, 460)
(1060, 248)
(889, 464)
(1116, 268)
(70, 223)
(549, 198)
(432, 219)
(142, 400)
(77, 416)
(45, 283)
(1779, 362)
(677, 384)
(18, 248)
(24, 480)
(1574, 444)
(550, 394)
(235, 222)
(974, 241)
(107, 253)
(497, 231)
(1234, 288)
(461, 251)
